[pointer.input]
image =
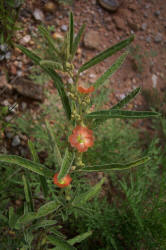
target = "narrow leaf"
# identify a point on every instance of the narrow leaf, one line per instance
(51, 64)
(83, 198)
(35, 158)
(111, 70)
(28, 193)
(127, 99)
(26, 218)
(79, 238)
(77, 40)
(47, 208)
(123, 114)
(66, 165)
(12, 218)
(71, 31)
(56, 78)
(60, 243)
(33, 166)
(58, 157)
(43, 223)
(106, 53)
(116, 166)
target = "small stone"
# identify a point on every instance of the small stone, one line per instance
(38, 15)
(16, 141)
(2, 57)
(50, 7)
(6, 103)
(158, 38)
(57, 36)
(157, 13)
(64, 28)
(3, 47)
(9, 135)
(111, 5)
(119, 23)
(19, 73)
(148, 39)
(23, 105)
(92, 39)
(92, 76)
(154, 80)
(144, 26)
(26, 39)
(8, 55)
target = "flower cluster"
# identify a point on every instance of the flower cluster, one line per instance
(82, 138)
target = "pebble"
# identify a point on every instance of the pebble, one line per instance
(3, 47)
(26, 39)
(158, 38)
(38, 15)
(23, 105)
(50, 7)
(92, 39)
(148, 39)
(92, 76)
(157, 13)
(8, 55)
(16, 141)
(154, 80)
(64, 27)
(144, 26)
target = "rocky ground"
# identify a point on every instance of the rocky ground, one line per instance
(145, 65)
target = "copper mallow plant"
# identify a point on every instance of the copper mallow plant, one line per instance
(77, 102)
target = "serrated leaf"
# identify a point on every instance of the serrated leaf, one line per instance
(30, 165)
(127, 99)
(111, 70)
(79, 238)
(91, 193)
(66, 165)
(77, 40)
(43, 223)
(12, 218)
(116, 166)
(123, 114)
(47, 208)
(60, 243)
(35, 158)
(58, 157)
(71, 32)
(28, 193)
(106, 53)
(56, 79)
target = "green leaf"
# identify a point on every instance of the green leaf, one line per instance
(45, 33)
(33, 166)
(56, 78)
(91, 193)
(77, 40)
(58, 157)
(47, 208)
(111, 70)
(28, 193)
(43, 223)
(79, 238)
(51, 64)
(66, 165)
(123, 114)
(60, 243)
(116, 166)
(35, 158)
(127, 99)
(26, 218)
(106, 53)
(71, 32)
(12, 218)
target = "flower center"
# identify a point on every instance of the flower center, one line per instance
(62, 181)
(80, 139)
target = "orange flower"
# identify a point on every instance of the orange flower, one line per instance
(81, 138)
(64, 182)
(83, 90)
